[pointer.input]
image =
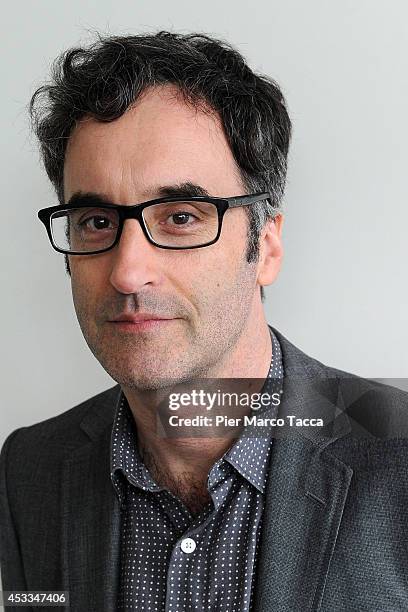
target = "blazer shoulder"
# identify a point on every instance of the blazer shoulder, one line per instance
(368, 392)
(57, 436)
(298, 363)
(375, 407)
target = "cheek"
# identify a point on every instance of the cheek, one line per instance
(218, 269)
(221, 281)
(86, 285)
(88, 274)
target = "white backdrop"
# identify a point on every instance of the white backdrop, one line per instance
(342, 293)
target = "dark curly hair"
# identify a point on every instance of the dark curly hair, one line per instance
(104, 80)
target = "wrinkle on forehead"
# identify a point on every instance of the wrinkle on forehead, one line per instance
(172, 142)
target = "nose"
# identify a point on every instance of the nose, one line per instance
(135, 261)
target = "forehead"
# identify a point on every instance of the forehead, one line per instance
(161, 140)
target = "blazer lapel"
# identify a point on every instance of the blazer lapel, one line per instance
(305, 497)
(91, 521)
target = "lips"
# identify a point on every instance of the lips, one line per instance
(137, 318)
(141, 322)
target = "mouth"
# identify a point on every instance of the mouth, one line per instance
(140, 322)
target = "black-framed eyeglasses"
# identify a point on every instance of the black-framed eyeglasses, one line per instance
(92, 227)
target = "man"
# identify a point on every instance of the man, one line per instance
(168, 157)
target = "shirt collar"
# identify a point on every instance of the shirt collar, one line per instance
(125, 457)
(250, 453)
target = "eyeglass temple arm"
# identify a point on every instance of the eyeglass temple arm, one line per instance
(248, 199)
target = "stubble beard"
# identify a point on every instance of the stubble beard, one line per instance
(140, 361)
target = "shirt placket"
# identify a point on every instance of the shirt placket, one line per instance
(183, 558)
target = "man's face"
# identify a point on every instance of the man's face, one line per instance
(207, 293)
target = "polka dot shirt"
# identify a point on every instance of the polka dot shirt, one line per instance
(172, 561)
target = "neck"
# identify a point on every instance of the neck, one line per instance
(189, 459)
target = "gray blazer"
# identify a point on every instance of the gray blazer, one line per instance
(335, 527)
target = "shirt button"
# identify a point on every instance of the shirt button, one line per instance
(188, 545)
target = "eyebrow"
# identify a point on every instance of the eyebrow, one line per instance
(182, 190)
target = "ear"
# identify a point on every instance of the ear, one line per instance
(270, 251)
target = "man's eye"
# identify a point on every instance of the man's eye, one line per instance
(181, 218)
(97, 223)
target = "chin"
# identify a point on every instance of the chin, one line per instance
(145, 368)
(144, 379)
